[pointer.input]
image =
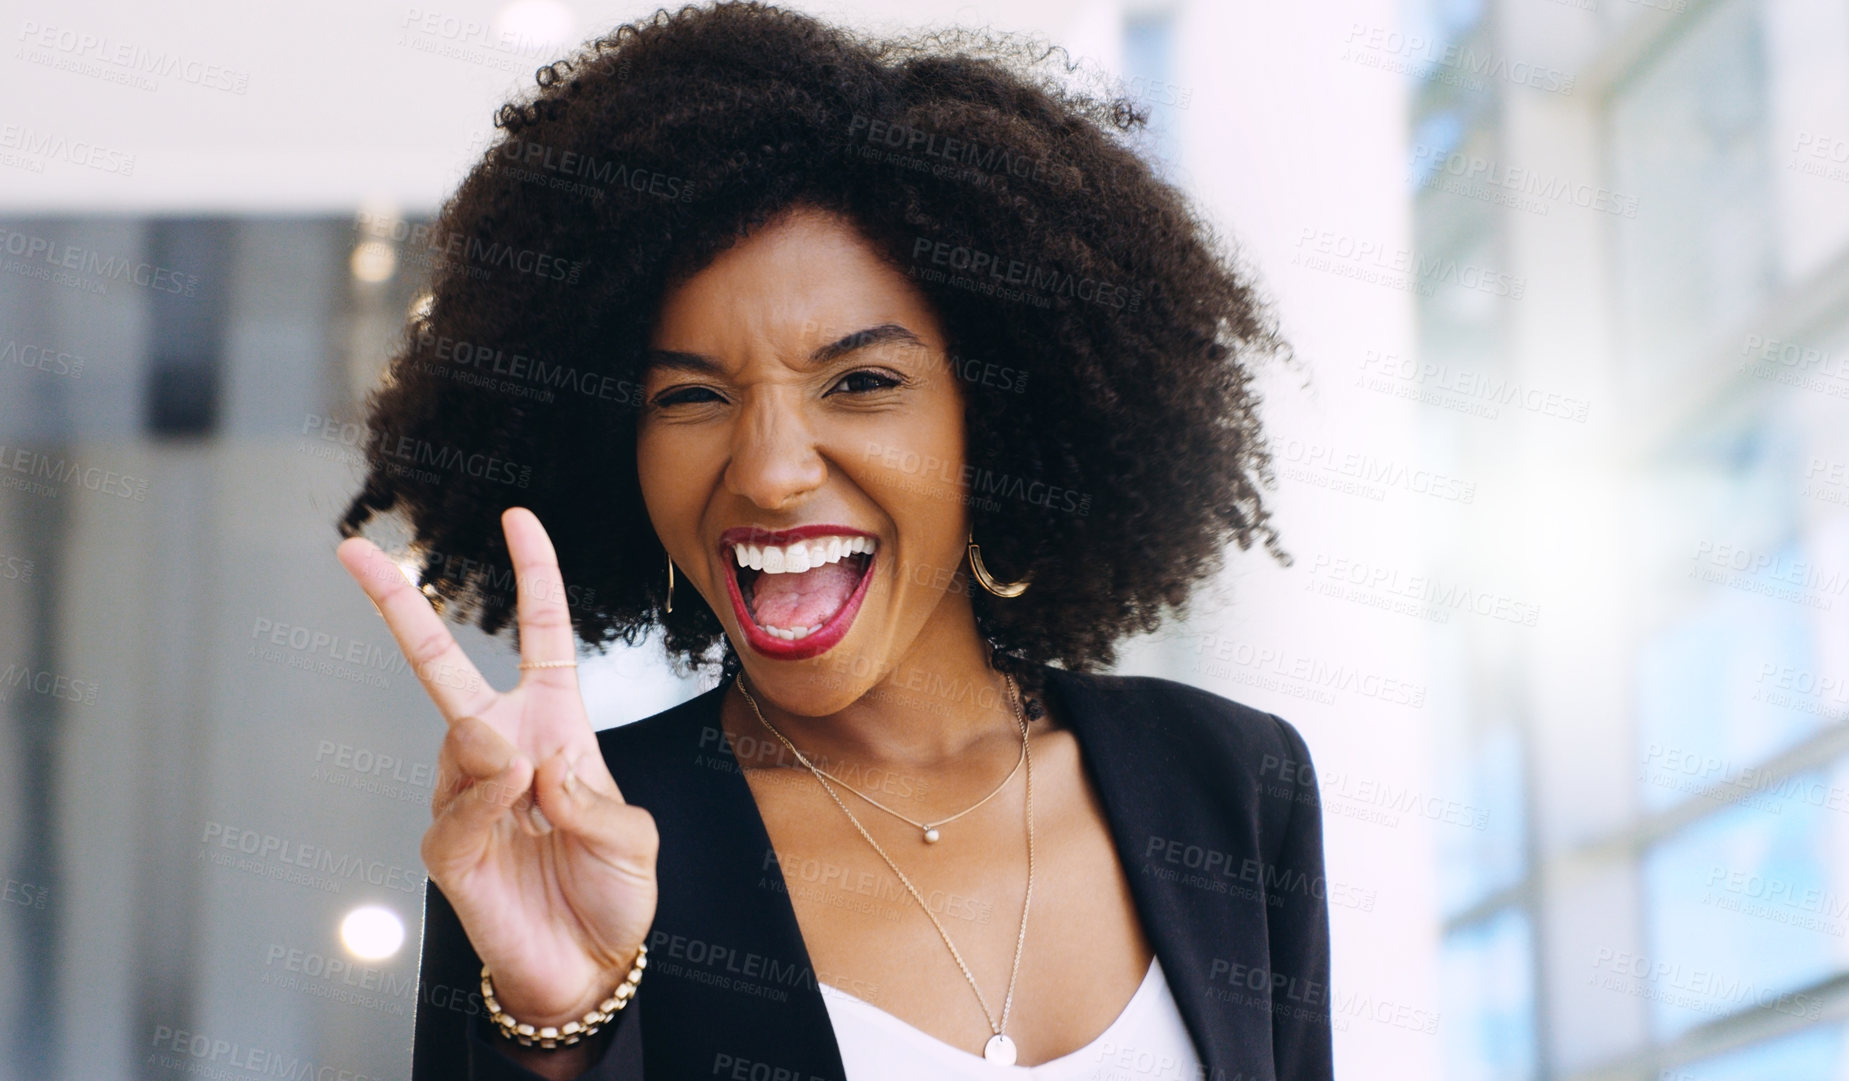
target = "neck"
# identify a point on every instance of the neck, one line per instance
(940, 707)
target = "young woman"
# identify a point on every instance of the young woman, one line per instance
(886, 379)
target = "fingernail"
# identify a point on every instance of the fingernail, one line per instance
(538, 817)
(571, 781)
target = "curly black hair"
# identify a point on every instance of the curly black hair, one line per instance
(1104, 336)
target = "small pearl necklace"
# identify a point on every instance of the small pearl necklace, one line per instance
(929, 830)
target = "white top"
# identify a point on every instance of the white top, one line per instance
(1147, 1042)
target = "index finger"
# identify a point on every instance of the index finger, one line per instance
(446, 672)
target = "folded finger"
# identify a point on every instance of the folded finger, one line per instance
(460, 834)
(473, 753)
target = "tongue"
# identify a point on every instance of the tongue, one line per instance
(795, 601)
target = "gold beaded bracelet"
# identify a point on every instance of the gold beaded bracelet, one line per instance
(550, 1037)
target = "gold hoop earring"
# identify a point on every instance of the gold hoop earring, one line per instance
(1000, 589)
(670, 604)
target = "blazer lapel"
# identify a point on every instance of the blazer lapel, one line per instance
(1150, 783)
(730, 989)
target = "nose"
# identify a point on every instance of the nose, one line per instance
(774, 457)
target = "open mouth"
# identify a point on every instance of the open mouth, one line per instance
(796, 591)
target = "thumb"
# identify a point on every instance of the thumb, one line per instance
(560, 789)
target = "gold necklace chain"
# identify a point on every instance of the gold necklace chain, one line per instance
(929, 828)
(999, 1048)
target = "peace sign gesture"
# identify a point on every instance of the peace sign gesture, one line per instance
(550, 871)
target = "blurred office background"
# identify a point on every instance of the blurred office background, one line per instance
(1565, 470)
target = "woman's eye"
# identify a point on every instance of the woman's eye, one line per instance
(866, 379)
(685, 396)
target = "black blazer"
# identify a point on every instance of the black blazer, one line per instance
(1214, 811)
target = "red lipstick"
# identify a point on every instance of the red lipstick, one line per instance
(823, 638)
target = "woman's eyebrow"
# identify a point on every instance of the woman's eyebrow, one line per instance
(860, 339)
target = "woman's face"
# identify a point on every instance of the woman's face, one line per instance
(799, 407)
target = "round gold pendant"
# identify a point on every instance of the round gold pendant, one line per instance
(931, 836)
(999, 1050)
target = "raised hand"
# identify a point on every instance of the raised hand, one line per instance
(550, 871)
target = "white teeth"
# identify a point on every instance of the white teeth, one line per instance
(800, 556)
(791, 635)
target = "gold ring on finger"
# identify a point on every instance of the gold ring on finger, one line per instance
(548, 664)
